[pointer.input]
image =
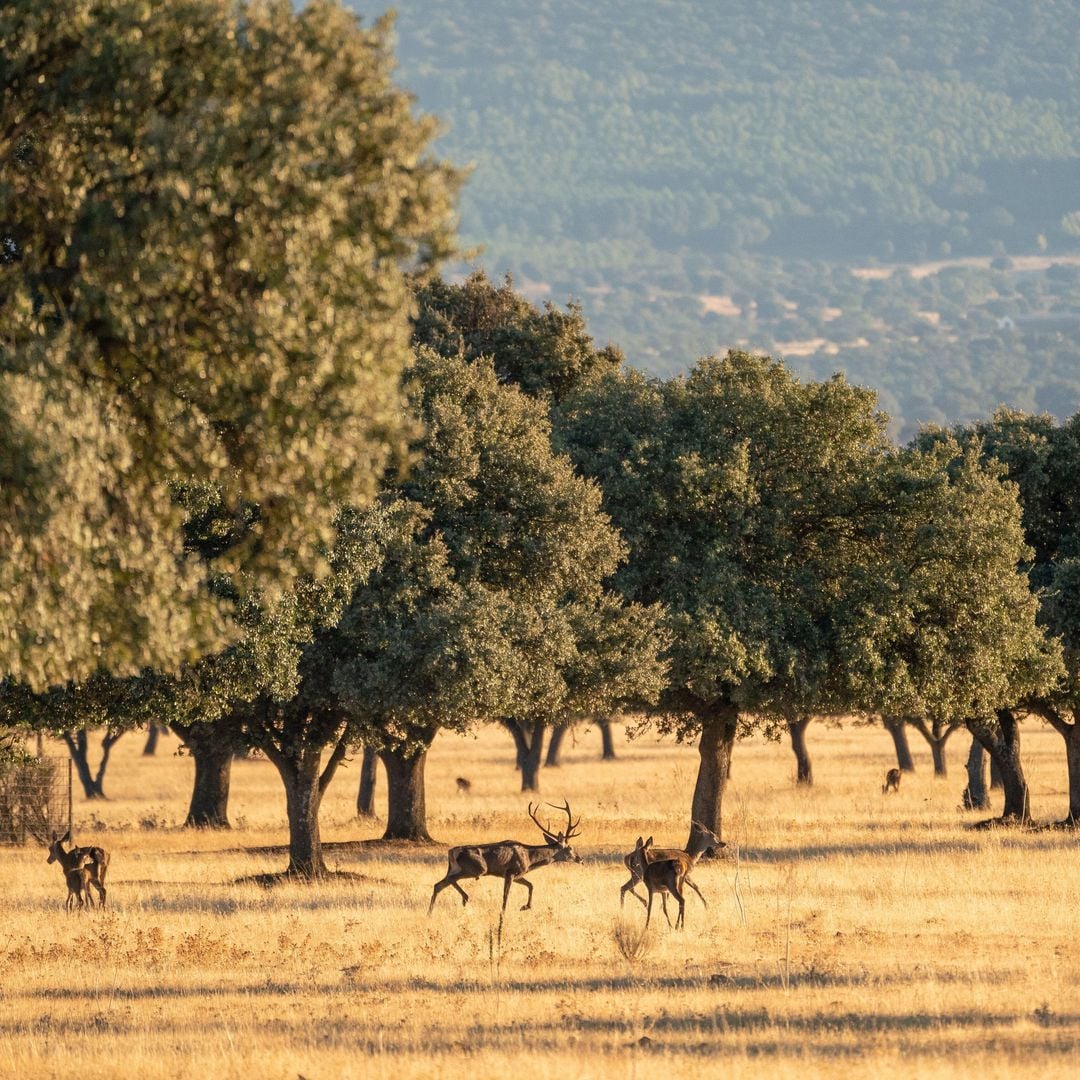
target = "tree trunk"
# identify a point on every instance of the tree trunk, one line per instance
(718, 728)
(554, 752)
(302, 801)
(897, 728)
(521, 744)
(530, 768)
(996, 782)
(1072, 757)
(797, 730)
(305, 785)
(1002, 743)
(975, 796)
(937, 735)
(1069, 730)
(365, 797)
(607, 740)
(213, 759)
(153, 732)
(406, 812)
(78, 747)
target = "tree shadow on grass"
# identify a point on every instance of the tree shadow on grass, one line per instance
(289, 877)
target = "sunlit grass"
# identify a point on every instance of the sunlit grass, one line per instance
(856, 934)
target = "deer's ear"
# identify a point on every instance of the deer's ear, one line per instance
(66, 837)
(648, 843)
(639, 843)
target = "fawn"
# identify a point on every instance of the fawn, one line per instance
(77, 877)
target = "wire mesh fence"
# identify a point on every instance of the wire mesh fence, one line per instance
(35, 799)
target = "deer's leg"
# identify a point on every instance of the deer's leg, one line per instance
(98, 881)
(648, 910)
(663, 904)
(629, 887)
(528, 885)
(506, 889)
(464, 894)
(439, 886)
(687, 881)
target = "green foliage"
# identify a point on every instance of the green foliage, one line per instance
(542, 352)
(733, 488)
(804, 566)
(207, 211)
(1043, 459)
(945, 624)
(490, 600)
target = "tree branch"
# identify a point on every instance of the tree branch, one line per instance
(331, 767)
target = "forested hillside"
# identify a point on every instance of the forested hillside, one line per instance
(705, 175)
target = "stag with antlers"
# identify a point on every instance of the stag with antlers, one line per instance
(509, 859)
(96, 860)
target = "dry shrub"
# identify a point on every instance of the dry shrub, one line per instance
(632, 939)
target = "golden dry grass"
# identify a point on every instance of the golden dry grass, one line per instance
(857, 934)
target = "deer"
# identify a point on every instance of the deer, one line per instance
(98, 859)
(701, 836)
(464, 786)
(892, 781)
(669, 874)
(509, 859)
(78, 877)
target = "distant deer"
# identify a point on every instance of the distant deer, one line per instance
(464, 786)
(77, 877)
(98, 859)
(653, 854)
(892, 781)
(669, 874)
(509, 859)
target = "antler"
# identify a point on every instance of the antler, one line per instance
(548, 834)
(572, 829)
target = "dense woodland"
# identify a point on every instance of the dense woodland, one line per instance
(708, 176)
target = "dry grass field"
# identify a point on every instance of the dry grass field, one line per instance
(857, 934)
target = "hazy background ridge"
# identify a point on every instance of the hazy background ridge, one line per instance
(701, 176)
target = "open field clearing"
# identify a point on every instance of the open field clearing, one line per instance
(856, 934)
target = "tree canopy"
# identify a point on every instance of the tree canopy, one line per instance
(209, 212)
(804, 565)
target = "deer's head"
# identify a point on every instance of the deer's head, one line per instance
(561, 840)
(56, 846)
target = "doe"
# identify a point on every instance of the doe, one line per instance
(97, 858)
(669, 874)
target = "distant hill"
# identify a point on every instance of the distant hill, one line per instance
(703, 175)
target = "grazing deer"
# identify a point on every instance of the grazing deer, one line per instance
(464, 786)
(77, 877)
(509, 859)
(70, 860)
(669, 874)
(702, 837)
(892, 781)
